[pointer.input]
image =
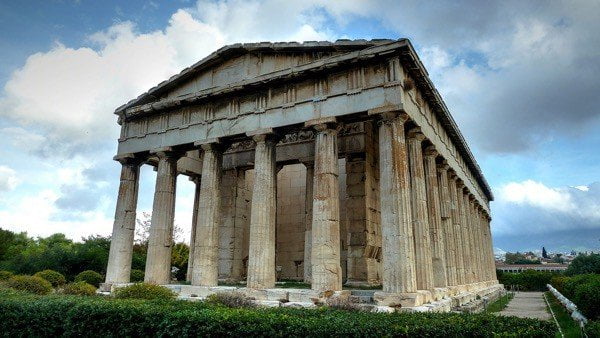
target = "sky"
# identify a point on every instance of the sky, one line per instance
(521, 78)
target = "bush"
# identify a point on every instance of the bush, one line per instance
(592, 328)
(55, 278)
(230, 299)
(90, 277)
(79, 288)
(5, 275)
(572, 282)
(529, 280)
(31, 284)
(584, 264)
(137, 276)
(587, 298)
(558, 282)
(144, 291)
(28, 315)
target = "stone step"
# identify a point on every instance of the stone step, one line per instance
(366, 293)
(361, 299)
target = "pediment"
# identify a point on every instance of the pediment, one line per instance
(235, 63)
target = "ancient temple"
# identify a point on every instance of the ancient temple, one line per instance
(335, 163)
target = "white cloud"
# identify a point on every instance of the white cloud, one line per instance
(8, 179)
(538, 195)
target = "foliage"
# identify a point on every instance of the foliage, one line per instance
(592, 328)
(559, 282)
(4, 275)
(90, 277)
(31, 284)
(55, 278)
(136, 276)
(519, 258)
(79, 288)
(569, 327)
(230, 299)
(144, 291)
(179, 260)
(529, 280)
(584, 291)
(22, 315)
(583, 264)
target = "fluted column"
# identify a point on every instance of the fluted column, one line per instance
(398, 251)
(420, 220)
(160, 240)
(490, 248)
(468, 233)
(263, 213)
(436, 231)
(447, 224)
(475, 235)
(121, 245)
(325, 257)
(462, 231)
(190, 268)
(206, 245)
(456, 226)
(308, 207)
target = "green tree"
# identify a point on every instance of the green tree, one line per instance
(583, 264)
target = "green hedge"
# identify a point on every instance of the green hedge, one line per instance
(32, 284)
(29, 315)
(584, 291)
(55, 278)
(145, 291)
(529, 280)
(90, 277)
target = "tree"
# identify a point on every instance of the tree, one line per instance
(583, 264)
(544, 253)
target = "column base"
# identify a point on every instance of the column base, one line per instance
(405, 299)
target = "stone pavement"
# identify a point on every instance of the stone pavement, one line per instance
(527, 305)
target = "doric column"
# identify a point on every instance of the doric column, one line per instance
(190, 268)
(263, 213)
(461, 231)
(308, 205)
(206, 245)
(420, 220)
(468, 233)
(121, 245)
(241, 223)
(397, 246)
(160, 240)
(436, 232)
(447, 224)
(325, 257)
(476, 239)
(490, 248)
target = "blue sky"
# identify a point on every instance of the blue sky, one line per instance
(521, 79)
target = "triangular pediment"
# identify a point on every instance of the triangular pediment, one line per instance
(234, 63)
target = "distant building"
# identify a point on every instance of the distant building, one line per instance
(550, 267)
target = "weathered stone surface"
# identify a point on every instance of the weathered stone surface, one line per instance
(160, 240)
(206, 244)
(406, 299)
(436, 231)
(420, 220)
(121, 249)
(398, 267)
(310, 173)
(325, 256)
(261, 260)
(190, 269)
(448, 225)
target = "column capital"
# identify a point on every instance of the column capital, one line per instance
(443, 166)
(389, 115)
(430, 151)
(211, 144)
(129, 159)
(167, 153)
(324, 123)
(416, 134)
(263, 135)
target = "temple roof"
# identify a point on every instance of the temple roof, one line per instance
(354, 48)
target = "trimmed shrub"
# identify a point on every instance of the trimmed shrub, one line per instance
(31, 284)
(144, 291)
(230, 299)
(587, 298)
(90, 277)
(79, 288)
(55, 278)
(529, 280)
(558, 282)
(572, 282)
(28, 315)
(5, 275)
(137, 276)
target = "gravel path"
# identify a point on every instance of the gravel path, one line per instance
(527, 305)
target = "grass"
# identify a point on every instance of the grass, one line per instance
(568, 326)
(500, 303)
